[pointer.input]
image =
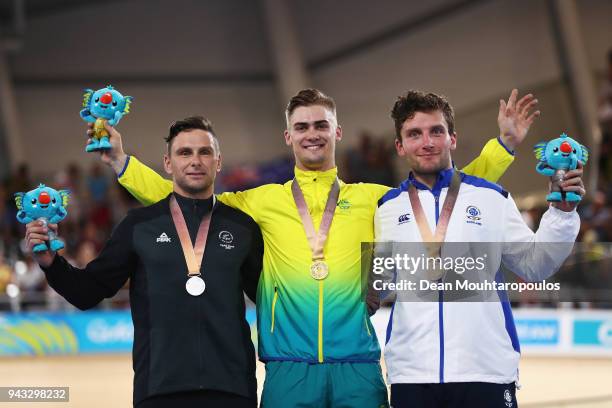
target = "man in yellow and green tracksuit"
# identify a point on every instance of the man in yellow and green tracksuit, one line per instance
(315, 336)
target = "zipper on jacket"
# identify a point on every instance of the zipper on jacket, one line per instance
(440, 306)
(320, 321)
(201, 328)
(273, 308)
(441, 328)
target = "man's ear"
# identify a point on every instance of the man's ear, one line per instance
(399, 147)
(453, 137)
(167, 166)
(287, 137)
(219, 163)
(338, 133)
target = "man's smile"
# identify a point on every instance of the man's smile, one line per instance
(314, 146)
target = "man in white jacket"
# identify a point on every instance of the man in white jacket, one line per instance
(442, 353)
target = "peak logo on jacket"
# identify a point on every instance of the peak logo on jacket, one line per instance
(164, 238)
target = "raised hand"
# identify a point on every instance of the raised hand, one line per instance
(115, 156)
(515, 118)
(572, 181)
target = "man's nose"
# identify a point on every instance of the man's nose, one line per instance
(427, 140)
(313, 133)
(196, 160)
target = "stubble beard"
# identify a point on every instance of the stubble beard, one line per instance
(194, 189)
(431, 169)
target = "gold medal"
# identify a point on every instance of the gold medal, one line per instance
(316, 239)
(319, 270)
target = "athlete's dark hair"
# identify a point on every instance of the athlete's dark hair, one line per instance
(191, 123)
(416, 101)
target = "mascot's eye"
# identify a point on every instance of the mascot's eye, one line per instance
(574, 151)
(54, 201)
(114, 103)
(97, 100)
(33, 201)
(556, 149)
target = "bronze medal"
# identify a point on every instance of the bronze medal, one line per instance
(433, 241)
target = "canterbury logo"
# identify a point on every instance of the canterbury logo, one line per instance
(163, 238)
(404, 218)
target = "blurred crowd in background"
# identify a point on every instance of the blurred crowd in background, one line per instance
(97, 203)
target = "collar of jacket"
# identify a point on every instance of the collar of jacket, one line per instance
(443, 181)
(306, 177)
(195, 206)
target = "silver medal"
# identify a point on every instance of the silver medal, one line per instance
(195, 286)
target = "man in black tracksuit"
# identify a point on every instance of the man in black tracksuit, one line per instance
(189, 350)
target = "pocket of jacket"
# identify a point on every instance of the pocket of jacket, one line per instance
(367, 326)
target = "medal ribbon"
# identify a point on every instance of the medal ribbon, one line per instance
(316, 240)
(193, 254)
(433, 242)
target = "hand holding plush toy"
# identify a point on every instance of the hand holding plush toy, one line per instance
(106, 104)
(47, 205)
(556, 158)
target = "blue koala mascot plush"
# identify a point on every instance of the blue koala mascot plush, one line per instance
(106, 104)
(557, 157)
(47, 205)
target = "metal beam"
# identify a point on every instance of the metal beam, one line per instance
(392, 33)
(574, 61)
(13, 152)
(19, 20)
(144, 78)
(44, 8)
(289, 63)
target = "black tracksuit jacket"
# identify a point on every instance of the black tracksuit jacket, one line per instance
(181, 342)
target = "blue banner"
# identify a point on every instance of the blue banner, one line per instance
(593, 332)
(72, 333)
(92, 332)
(537, 331)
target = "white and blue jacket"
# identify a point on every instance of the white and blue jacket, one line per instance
(439, 342)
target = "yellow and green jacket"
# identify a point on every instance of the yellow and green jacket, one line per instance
(299, 318)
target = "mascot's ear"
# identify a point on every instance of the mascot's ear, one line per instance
(87, 97)
(19, 200)
(585, 154)
(64, 194)
(128, 104)
(539, 149)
